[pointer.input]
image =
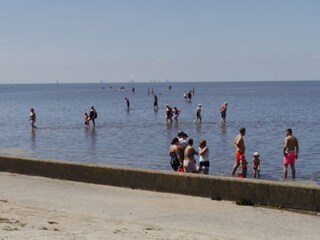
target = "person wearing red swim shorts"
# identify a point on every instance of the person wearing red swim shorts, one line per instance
(240, 149)
(290, 152)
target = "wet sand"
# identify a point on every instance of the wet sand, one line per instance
(41, 208)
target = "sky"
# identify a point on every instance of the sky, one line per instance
(79, 41)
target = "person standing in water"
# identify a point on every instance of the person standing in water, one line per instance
(155, 103)
(86, 119)
(176, 113)
(168, 113)
(290, 152)
(198, 114)
(240, 149)
(204, 163)
(32, 118)
(93, 116)
(223, 111)
(127, 102)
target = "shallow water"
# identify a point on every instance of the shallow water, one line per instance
(140, 137)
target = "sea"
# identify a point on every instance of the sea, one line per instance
(140, 137)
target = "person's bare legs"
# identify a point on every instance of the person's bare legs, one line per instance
(293, 170)
(235, 167)
(285, 171)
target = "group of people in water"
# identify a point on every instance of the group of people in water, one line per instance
(182, 152)
(182, 155)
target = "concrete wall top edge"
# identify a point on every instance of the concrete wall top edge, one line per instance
(163, 172)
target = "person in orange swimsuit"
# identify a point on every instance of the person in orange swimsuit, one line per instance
(240, 149)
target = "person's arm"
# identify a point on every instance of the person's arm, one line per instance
(285, 146)
(203, 151)
(195, 152)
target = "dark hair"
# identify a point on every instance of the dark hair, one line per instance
(190, 142)
(203, 142)
(289, 130)
(174, 140)
(242, 130)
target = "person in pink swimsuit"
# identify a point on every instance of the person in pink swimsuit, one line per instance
(290, 152)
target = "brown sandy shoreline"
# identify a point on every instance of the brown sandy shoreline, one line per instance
(41, 208)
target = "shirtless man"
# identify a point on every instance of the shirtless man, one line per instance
(240, 149)
(223, 111)
(32, 118)
(198, 114)
(290, 152)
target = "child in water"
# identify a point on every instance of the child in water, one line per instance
(86, 119)
(243, 166)
(256, 165)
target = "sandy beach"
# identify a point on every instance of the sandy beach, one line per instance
(41, 208)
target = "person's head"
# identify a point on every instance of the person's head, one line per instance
(242, 131)
(202, 143)
(92, 107)
(175, 108)
(199, 105)
(175, 141)
(180, 134)
(126, 99)
(225, 103)
(190, 142)
(288, 132)
(184, 135)
(86, 114)
(256, 155)
(31, 110)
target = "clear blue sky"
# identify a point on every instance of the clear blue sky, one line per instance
(118, 41)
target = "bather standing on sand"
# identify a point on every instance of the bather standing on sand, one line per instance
(32, 118)
(290, 152)
(240, 149)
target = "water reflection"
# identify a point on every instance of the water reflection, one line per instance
(33, 138)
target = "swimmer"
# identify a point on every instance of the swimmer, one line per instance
(243, 166)
(198, 114)
(290, 152)
(155, 103)
(93, 116)
(127, 102)
(173, 153)
(86, 119)
(189, 162)
(176, 113)
(168, 113)
(256, 164)
(189, 95)
(32, 118)
(240, 149)
(223, 112)
(204, 162)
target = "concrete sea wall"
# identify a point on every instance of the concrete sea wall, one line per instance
(263, 192)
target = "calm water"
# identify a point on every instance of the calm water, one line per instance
(140, 137)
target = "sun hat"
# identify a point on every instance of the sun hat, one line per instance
(256, 154)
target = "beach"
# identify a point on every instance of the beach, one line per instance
(41, 208)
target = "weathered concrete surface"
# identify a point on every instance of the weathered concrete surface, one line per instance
(277, 194)
(36, 208)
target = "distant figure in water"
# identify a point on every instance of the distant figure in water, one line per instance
(198, 114)
(93, 116)
(155, 103)
(193, 92)
(168, 114)
(189, 96)
(148, 91)
(176, 113)
(127, 102)
(223, 111)
(133, 90)
(290, 152)
(86, 119)
(185, 95)
(32, 118)
(152, 91)
(170, 87)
